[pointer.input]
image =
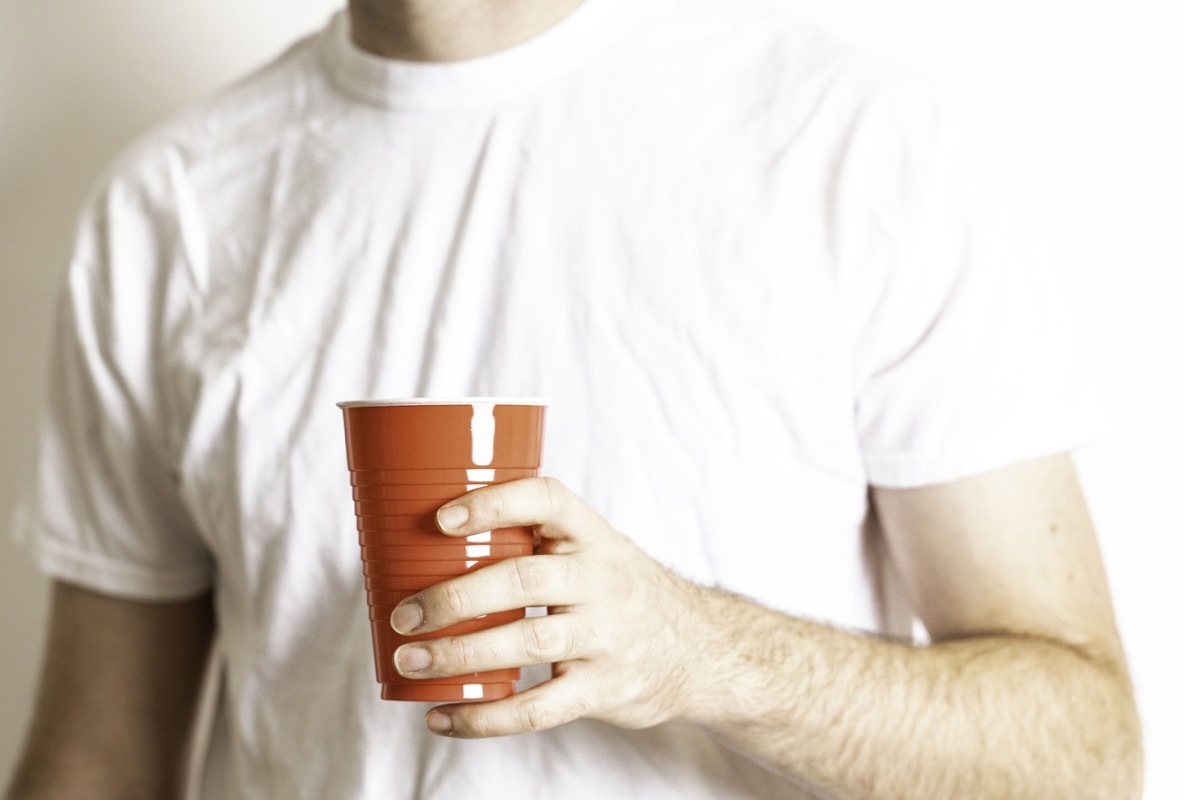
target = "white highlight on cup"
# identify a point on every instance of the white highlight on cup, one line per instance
(483, 433)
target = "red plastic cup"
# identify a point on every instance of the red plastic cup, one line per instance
(402, 583)
(379, 534)
(392, 591)
(407, 458)
(457, 566)
(436, 553)
(463, 692)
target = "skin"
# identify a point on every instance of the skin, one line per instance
(1023, 693)
(450, 30)
(117, 699)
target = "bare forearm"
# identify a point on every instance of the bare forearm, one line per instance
(64, 760)
(984, 714)
(856, 717)
(117, 700)
(58, 774)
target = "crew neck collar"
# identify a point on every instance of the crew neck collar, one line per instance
(395, 84)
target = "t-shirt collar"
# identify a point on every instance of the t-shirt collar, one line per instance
(395, 84)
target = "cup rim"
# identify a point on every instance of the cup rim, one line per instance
(446, 401)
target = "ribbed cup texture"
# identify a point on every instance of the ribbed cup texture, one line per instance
(406, 461)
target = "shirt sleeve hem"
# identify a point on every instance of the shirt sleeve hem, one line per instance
(119, 579)
(913, 470)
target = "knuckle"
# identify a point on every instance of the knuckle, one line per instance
(454, 599)
(530, 575)
(545, 641)
(489, 505)
(468, 724)
(450, 653)
(551, 492)
(481, 722)
(534, 715)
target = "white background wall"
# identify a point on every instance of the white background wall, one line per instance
(1089, 91)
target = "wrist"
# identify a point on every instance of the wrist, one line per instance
(737, 651)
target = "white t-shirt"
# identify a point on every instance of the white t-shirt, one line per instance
(755, 270)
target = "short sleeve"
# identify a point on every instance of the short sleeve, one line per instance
(105, 509)
(970, 356)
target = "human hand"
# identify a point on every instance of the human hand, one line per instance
(620, 630)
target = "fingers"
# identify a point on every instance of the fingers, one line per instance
(535, 640)
(545, 706)
(600, 636)
(541, 580)
(544, 504)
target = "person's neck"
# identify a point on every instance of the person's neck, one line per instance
(450, 30)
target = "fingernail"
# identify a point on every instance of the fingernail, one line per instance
(452, 517)
(407, 617)
(437, 722)
(411, 658)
